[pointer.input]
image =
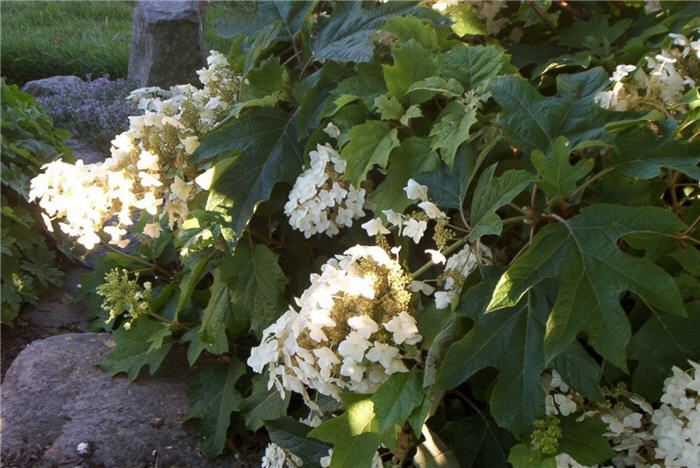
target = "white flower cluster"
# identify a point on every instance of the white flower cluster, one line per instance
(677, 421)
(412, 226)
(644, 437)
(668, 75)
(277, 457)
(458, 267)
(560, 399)
(148, 164)
(351, 333)
(322, 200)
(325, 462)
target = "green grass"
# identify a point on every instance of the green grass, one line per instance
(41, 39)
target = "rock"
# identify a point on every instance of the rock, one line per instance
(167, 43)
(57, 403)
(55, 313)
(85, 151)
(52, 85)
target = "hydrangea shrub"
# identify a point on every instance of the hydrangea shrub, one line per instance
(412, 232)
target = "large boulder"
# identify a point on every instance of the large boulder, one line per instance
(52, 85)
(167, 43)
(54, 398)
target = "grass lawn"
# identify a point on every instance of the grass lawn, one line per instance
(41, 39)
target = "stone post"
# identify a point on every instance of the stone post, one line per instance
(167, 42)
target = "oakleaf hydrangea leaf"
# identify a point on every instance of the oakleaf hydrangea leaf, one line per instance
(214, 397)
(354, 434)
(558, 176)
(396, 399)
(582, 254)
(217, 316)
(663, 341)
(248, 18)
(133, 349)
(438, 85)
(526, 456)
(477, 442)
(413, 112)
(452, 129)
(370, 144)
(389, 107)
(263, 404)
(448, 187)
(513, 344)
(473, 66)
(412, 157)
(256, 284)
(412, 63)
(532, 121)
(269, 153)
(584, 441)
(292, 435)
(409, 27)
(490, 194)
(641, 154)
(346, 35)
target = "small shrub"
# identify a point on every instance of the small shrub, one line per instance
(29, 140)
(95, 112)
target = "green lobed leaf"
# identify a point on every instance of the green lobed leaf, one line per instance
(466, 20)
(662, 342)
(263, 404)
(579, 370)
(409, 27)
(447, 187)
(217, 317)
(558, 177)
(365, 85)
(473, 66)
(346, 35)
(196, 346)
(292, 435)
(582, 254)
(642, 154)
(370, 144)
(477, 442)
(532, 121)
(354, 434)
(525, 456)
(412, 157)
(214, 397)
(269, 78)
(247, 18)
(264, 39)
(451, 130)
(413, 112)
(269, 153)
(412, 63)
(492, 193)
(513, 344)
(256, 283)
(396, 399)
(434, 85)
(133, 349)
(584, 441)
(195, 267)
(313, 95)
(389, 107)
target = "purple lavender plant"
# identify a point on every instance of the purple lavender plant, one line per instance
(95, 111)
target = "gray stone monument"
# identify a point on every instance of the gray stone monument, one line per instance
(167, 42)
